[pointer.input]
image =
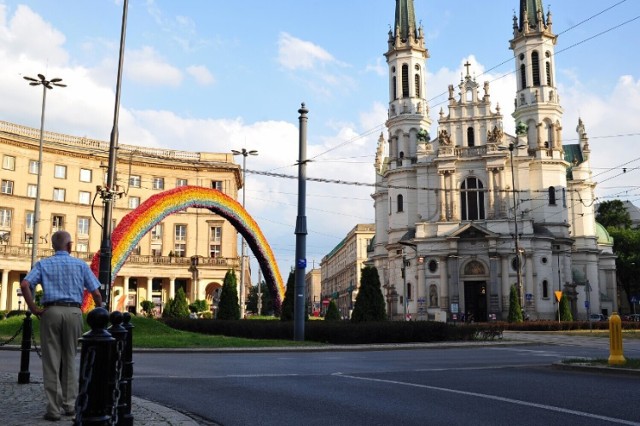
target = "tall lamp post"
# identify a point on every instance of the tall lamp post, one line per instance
(245, 153)
(516, 239)
(46, 84)
(405, 263)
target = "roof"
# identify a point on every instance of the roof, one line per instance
(573, 156)
(603, 235)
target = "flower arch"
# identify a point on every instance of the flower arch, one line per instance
(138, 222)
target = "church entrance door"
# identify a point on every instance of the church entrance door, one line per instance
(475, 301)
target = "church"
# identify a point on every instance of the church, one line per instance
(466, 214)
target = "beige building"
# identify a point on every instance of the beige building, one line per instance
(341, 268)
(312, 283)
(73, 171)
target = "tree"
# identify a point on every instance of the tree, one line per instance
(565, 309)
(289, 297)
(332, 314)
(199, 306)
(147, 307)
(178, 307)
(369, 301)
(267, 301)
(228, 306)
(515, 311)
(625, 247)
(613, 214)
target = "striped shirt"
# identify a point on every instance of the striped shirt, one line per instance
(63, 278)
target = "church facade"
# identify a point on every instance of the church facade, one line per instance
(464, 215)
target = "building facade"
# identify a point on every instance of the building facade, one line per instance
(464, 215)
(312, 291)
(341, 268)
(73, 171)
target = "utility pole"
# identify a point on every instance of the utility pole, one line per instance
(301, 229)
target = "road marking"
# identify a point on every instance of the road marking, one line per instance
(492, 367)
(497, 398)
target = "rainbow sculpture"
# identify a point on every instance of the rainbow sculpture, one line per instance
(138, 222)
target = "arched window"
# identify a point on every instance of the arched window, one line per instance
(417, 84)
(472, 199)
(552, 196)
(395, 88)
(545, 289)
(547, 67)
(535, 67)
(409, 292)
(405, 81)
(523, 76)
(471, 141)
(400, 203)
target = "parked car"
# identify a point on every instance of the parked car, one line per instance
(634, 317)
(597, 317)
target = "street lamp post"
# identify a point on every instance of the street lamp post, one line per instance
(46, 84)
(245, 153)
(405, 263)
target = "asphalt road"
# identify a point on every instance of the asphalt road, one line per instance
(500, 385)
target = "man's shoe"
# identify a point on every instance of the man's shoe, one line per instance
(51, 417)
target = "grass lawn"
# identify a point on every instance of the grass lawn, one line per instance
(149, 333)
(632, 363)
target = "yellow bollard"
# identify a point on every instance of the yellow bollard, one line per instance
(615, 340)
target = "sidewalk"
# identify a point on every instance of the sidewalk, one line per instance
(25, 405)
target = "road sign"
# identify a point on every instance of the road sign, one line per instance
(586, 304)
(634, 299)
(529, 297)
(558, 294)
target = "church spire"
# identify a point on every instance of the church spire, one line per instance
(405, 24)
(531, 13)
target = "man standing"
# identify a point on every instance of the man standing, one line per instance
(63, 279)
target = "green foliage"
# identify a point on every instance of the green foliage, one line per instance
(289, 299)
(565, 309)
(229, 306)
(515, 311)
(199, 306)
(625, 247)
(612, 214)
(369, 302)
(147, 308)
(267, 302)
(178, 307)
(332, 314)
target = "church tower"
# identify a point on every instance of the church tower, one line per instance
(538, 115)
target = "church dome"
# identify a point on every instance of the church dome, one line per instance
(603, 235)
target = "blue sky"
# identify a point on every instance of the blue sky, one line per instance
(217, 75)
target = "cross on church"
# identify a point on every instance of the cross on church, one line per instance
(467, 65)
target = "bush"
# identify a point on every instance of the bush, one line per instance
(177, 308)
(286, 313)
(229, 306)
(515, 310)
(369, 302)
(147, 308)
(565, 310)
(332, 314)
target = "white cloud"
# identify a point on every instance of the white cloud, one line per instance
(201, 74)
(145, 66)
(294, 53)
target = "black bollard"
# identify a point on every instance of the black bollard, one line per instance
(27, 330)
(94, 396)
(117, 361)
(126, 418)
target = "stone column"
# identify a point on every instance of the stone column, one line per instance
(443, 198)
(492, 207)
(172, 287)
(125, 290)
(444, 284)
(3, 294)
(149, 288)
(421, 286)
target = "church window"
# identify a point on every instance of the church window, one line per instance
(405, 81)
(564, 198)
(395, 88)
(400, 203)
(535, 67)
(472, 199)
(409, 292)
(523, 76)
(545, 289)
(470, 137)
(417, 84)
(547, 66)
(552, 196)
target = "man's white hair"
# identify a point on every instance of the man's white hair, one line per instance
(60, 239)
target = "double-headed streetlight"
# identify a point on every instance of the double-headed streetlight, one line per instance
(245, 153)
(46, 84)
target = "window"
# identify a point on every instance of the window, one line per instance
(60, 171)
(134, 202)
(472, 199)
(180, 236)
(416, 81)
(84, 197)
(156, 232)
(85, 175)
(82, 246)
(29, 218)
(547, 67)
(409, 292)
(471, 141)
(83, 226)
(7, 187)
(181, 182)
(395, 88)
(405, 81)
(158, 183)
(432, 265)
(545, 289)
(58, 194)
(400, 203)
(552, 196)
(134, 181)
(214, 250)
(9, 162)
(535, 67)
(33, 167)
(523, 76)
(216, 184)
(5, 217)
(32, 190)
(57, 223)
(155, 252)
(215, 233)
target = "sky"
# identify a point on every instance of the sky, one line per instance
(212, 76)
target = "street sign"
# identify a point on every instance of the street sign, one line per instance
(558, 294)
(634, 299)
(586, 304)
(301, 263)
(529, 297)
